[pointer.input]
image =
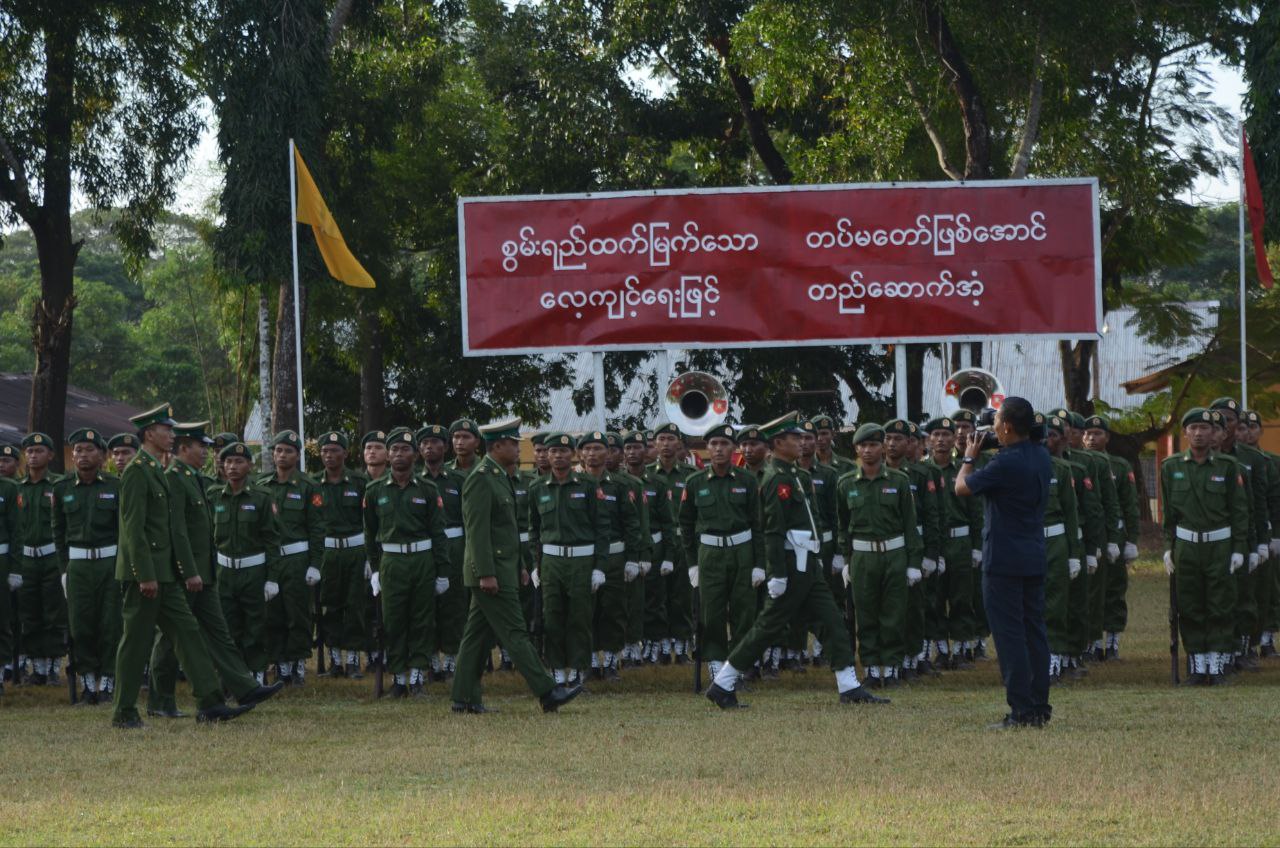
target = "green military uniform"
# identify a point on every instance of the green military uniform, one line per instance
(960, 535)
(924, 494)
(1206, 519)
(676, 593)
(10, 550)
(527, 591)
(1268, 580)
(570, 537)
(451, 605)
(344, 581)
(1092, 535)
(1064, 553)
(632, 618)
(665, 550)
(976, 603)
(493, 549)
(404, 528)
(42, 608)
(86, 526)
(1115, 610)
(823, 479)
(246, 541)
(720, 527)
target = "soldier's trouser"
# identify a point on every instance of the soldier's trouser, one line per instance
(1057, 590)
(8, 607)
(168, 610)
(43, 607)
(496, 619)
(913, 620)
(527, 594)
(566, 610)
(728, 599)
(1115, 609)
(1246, 614)
(880, 591)
(343, 590)
(636, 608)
(609, 606)
(679, 598)
(1206, 595)
(206, 606)
(1098, 595)
(409, 609)
(93, 614)
(1265, 592)
(808, 599)
(245, 610)
(289, 616)
(935, 618)
(1272, 621)
(1078, 610)
(655, 604)
(451, 607)
(955, 591)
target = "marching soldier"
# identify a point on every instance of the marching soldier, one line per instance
(300, 512)
(9, 562)
(646, 616)
(720, 527)
(795, 588)
(86, 526)
(122, 447)
(897, 456)
(1269, 591)
(1115, 612)
(246, 541)
(404, 528)
(1206, 526)
(41, 604)
(493, 568)
(824, 478)
(959, 532)
(1064, 548)
(345, 571)
(570, 537)
(673, 572)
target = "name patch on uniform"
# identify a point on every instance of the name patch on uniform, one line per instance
(888, 491)
(351, 494)
(1217, 478)
(913, 487)
(418, 500)
(382, 500)
(609, 497)
(578, 495)
(520, 493)
(68, 498)
(544, 499)
(452, 491)
(1177, 475)
(107, 496)
(738, 491)
(248, 507)
(294, 496)
(818, 481)
(219, 508)
(704, 492)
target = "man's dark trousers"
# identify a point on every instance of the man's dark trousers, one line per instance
(1015, 613)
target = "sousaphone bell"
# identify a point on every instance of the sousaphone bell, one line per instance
(695, 402)
(973, 389)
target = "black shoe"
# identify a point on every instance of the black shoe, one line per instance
(1196, 679)
(55, 679)
(1219, 680)
(221, 712)
(399, 690)
(1099, 655)
(334, 670)
(168, 712)
(127, 724)
(106, 697)
(769, 672)
(611, 674)
(664, 658)
(472, 709)
(1011, 723)
(962, 662)
(260, 694)
(891, 683)
(417, 690)
(980, 651)
(353, 671)
(437, 676)
(725, 699)
(37, 679)
(597, 673)
(1, 688)
(559, 696)
(1248, 662)
(1113, 653)
(1267, 651)
(90, 698)
(861, 695)
(906, 675)
(753, 673)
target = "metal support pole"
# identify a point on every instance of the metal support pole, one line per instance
(1244, 362)
(597, 368)
(900, 379)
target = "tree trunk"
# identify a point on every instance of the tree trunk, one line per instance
(757, 129)
(372, 387)
(285, 414)
(916, 355)
(1076, 360)
(264, 367)
(973, 114)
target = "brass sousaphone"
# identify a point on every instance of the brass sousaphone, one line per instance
(973, 389)
(695, 402)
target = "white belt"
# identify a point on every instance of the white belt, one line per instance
(919, 529)
(803, 543)
(1119, 523)
(4, 548)
(410, 548)
(524, 537)
(294, 548)
(42, 551)
(341, 542)
(91, 553)
(726, 541)
(572, 551)
(957, 532)
(453, 532)
(617, 547)
(242, 562)
(657, 537)
(1079, 533)
(1208, 536)
(880, 547)
(827, 536)
(1054, 530)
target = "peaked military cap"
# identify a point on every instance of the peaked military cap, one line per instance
(668, 427)
(193, 430)
(236, 449)
(508, 428)
(789, 423)
(221, 440)
(592, 438)
(1097, 422)
(823, 422)
(868, 433)
(162, 414)
(558, 440)
(87, 434)
(943, 423)
(37, 439)
(288, 438)
(333, 437)
(1196, 415)
(897, 425)
(749, 433)
(432, 431)
(401, 435)
(720, 431)
(373, 437)
(964, 415)
(465, 424)
(1225, 403)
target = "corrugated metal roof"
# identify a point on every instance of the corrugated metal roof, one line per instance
(84, 409)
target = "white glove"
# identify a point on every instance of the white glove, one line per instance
(645, 565)
(1262, 553)
(1275, 547)
(942, 565)
(313, 576)
(777, 586)
(597, 579)
(1253, 563)
(913, 576)
(375, 583)
(757, 577)
(270, 589)
(837, 564)
(693, 576)
(442, 585)
(929, 566)
(15, 581)
(1168, 563)
(631, 571)
(1130, 551)
(1073, 568)
(977, 558)
(1237, 560)
(1113, 551)
(1092, 562)
(667, 567)
(535, 579)
(846, 576)
(368, 570)
(64, 584)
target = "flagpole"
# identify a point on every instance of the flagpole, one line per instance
(1244, 373)
(297, 307)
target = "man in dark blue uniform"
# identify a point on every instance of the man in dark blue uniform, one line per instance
(1014, 486)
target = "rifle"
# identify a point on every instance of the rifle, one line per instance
(1173, 630)
(319, 633)
(697, 644)
(378, 646)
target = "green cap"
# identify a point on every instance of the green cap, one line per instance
(9, 451)
(592, 438)
(221, 440)
(823, 422)
(333, 437)
(288, 438)
(507, 428)
(1097, 422)
(1053, 422)
(432, 431)
(192, 430)
(401, 435)
(465, 424)
(86, 434)
(749, 433)
(789, 423)
(537, 439)
(1215, 417)
(1062, 413)
(1252, 417)
(720, 431)
(1076, 419)
(558, 440)
(913, 429)
(236, 449)
(614, 439)
(898, 426)
(635, 437)
(868, 433)
(162, 414)
(808, 427)
(668, 428)
(1226, 403)
(1196, 415)
(964, 415)
(943, 423)
(373, 437)
(37, 439)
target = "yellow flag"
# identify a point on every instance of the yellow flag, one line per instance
(312, 210)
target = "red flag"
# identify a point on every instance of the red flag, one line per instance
(1253, 202)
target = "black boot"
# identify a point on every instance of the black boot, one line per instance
(559, 696)
(260, 694)
(221, 712)
(725, 699)
(860, 695)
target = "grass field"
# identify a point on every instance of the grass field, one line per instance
(1127, 759)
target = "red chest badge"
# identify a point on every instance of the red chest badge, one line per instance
(1088, 484)
(316, 500)
(784, 492)
(931, 487)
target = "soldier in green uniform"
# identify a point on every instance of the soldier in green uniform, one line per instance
(9, 548)
(541, 464)
(189, 508)
(246, 541)
(720, 527)
(156, 577)
(897, 456)
(86, 526)
(300, 511)
(122, 447)
(1206, 521)
(9, 462)
(1064, 548)
(935, 627)
(673, 572)
(404, 528)
(825, 433)
(374, 454)
(1115, 611)
(1250, 433)
(958, 532)
(795, 588)
(570, 536)
(41, 605)
(966, 424)
(655, 511)
(754, 449)
(493, 567)
(520, 482)
(824, 478)
(464, 436)
(220, 441)
(633, 569)
(345, 570)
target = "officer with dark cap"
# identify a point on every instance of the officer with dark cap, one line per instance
(1250, 433)
(9, 562)
(1115, 611)
(824, 429)
(897, 456)
(373, 454)
(345, 570)
(1064, 549)
(9, 457)
(220, 441)
(646, 615)
(42, 606)
(823, 478)
(753, 448)
(451, 603)
(633, 569)
(122, 447)
(959, 531)
(673, 572)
